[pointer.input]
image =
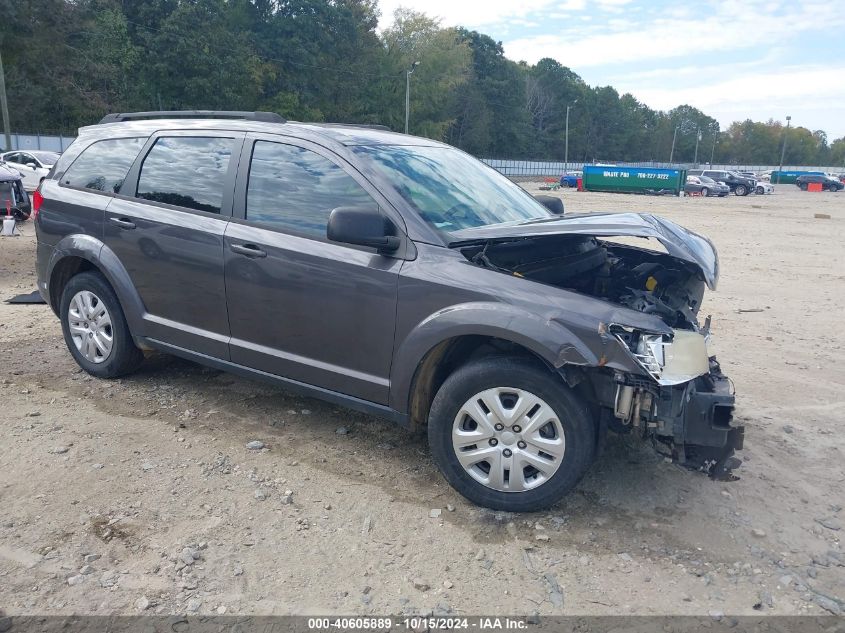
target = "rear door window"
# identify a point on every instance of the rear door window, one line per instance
(187, 171)
(103, 165)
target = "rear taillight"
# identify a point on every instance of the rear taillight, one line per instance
(37, 199)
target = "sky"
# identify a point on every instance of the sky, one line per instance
(757, 59)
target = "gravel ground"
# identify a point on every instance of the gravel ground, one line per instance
(186, 490)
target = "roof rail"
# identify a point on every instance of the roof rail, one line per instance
(368, 126)
(267, 117)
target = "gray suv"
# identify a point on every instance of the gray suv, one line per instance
(393, 275)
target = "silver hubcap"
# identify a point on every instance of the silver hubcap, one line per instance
(90, 326)
(508, 439)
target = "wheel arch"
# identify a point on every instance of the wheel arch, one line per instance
(79, 253)
(452, 337)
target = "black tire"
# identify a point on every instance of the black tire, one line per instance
(473, 378)
(760, 191)
(124, 357)
(705, 192)
(741, 190)
(803, 186)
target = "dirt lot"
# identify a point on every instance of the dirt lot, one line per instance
(140, 494)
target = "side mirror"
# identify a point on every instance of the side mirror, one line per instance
(31, 164)
(363, 226)
(555, 205)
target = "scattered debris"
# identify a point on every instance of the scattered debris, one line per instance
(829, 523)
(255, 445)
(555, 592)
(434, 513)
(420, 585)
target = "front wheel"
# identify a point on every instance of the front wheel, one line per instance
(705, 191)
(760, 191)
(741, 190)
(803, 186)
(508, 435)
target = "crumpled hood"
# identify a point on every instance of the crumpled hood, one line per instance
(679, 242)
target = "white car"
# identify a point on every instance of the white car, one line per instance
(763, 187)
(32, 165)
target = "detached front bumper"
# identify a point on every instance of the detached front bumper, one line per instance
(693, 419)
(699, 414)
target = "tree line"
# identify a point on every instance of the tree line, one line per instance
(68, 62)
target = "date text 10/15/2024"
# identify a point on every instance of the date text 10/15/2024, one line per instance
(417, 623)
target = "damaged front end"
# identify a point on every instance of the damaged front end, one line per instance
(658, 382)
(686, 405)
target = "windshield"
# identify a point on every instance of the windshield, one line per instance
(707, 180)
(46, 158)
(450, 189)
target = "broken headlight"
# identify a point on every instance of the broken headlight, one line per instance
(648, 349)
(649, 352)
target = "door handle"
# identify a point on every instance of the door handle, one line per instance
(123, 223)
(250, 250)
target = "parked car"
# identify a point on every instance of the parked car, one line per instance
(33, 166)
(13, 195)
(570, 179)
(705, 186)
(763, 188)
(390, 274)
(827, 182)
(740, 185)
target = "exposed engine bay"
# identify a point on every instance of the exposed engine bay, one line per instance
(685, 404)
(644, 280)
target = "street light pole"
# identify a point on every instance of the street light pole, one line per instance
(674, 136)
(566, 142)
(783, 151)
(408, 74)
(697, 139)
(713, 151)
(5, 108)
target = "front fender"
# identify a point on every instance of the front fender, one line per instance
(95, 251)
(547, 338)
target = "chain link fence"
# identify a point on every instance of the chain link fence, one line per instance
(538, 170)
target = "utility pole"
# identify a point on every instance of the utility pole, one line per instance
(713, 151)
(566, 143)
(783, 151)
(5, 107)
(674, 136)
(408, 74)
(697, 139)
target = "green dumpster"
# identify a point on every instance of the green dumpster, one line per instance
(634, 179)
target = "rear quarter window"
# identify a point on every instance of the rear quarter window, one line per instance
(103, 165)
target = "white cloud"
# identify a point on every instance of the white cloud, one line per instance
(724, 27)
(807, 93)
(471, 14)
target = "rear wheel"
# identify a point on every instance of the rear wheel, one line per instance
(509, 436)
(95, 328)
(741, 190)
